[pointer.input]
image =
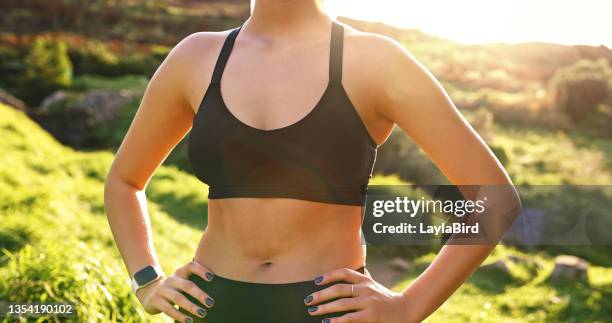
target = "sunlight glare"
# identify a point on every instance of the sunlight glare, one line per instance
(484, 21)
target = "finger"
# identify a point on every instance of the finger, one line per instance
(340, 305)
(332, 292)
(179, 299)
(342, 274)
(169, 310)
(192, 289)
(193, 267)
(347, 318)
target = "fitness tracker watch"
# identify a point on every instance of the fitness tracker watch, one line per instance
(146, 276)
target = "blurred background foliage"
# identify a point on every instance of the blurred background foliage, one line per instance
(77, 70)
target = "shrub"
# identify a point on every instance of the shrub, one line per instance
(501, 154)
(399, 155)
(160, 52)
(581, 88)
(10, 65)
(7, 54)
(93, 82)
(48, 69)
(482, 121)
(137, 64)
(94, 58)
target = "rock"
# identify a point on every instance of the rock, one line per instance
(569, 268)
(529, 262)
(58, 97)
(75, 118)
(8, 99)
(518, 259)
(400, 264)
(497, 265)
(103, 106)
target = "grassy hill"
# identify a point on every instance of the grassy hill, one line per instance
(53, 230)
(56, 244)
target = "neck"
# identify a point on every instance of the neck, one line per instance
(286, 17)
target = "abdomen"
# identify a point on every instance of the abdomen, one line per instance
(276, 240)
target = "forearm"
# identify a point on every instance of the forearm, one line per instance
(460, 257)
(126, 209)
(452, 266)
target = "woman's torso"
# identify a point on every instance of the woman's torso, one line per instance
(271, 86)
(279, 240)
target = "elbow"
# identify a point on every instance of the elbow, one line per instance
(110, 188)
(118, 195)
(116, 187)
(507, 210)
(514, 201)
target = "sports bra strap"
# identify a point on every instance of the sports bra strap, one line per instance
(335, 53)
(224, 55)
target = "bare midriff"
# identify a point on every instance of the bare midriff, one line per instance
(277, 240)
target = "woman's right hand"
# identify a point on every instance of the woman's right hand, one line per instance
(163, 294)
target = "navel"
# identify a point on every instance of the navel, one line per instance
(266, 265)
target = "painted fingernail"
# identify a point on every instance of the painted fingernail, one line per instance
(312, 309)
(201, 312)
(326, 320)
(188, 320)
(308, 299)
(318, 280)
(209, 276)
(210, 302)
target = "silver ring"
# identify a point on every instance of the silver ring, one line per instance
(352, 290)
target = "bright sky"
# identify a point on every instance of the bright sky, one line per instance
(480, 21)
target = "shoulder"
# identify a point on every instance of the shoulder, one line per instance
(191, 52)
(186, 69)
(385, 66)
(397, 81)
(198, 46)
(379, 50)
(385, 60)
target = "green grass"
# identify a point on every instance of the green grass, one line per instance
(129, 82)
(524, 294)
(53, 230)
(57, 246)
(541, 157)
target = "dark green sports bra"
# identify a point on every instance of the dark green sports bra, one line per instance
(327, 156)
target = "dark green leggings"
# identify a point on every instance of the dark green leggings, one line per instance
(237, 301)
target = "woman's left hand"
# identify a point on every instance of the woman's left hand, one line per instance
(370, 301)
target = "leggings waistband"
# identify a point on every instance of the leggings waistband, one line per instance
(241, 301)
(256, 285)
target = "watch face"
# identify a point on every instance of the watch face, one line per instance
(145, 275)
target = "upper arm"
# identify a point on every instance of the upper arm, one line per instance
(412, 98)
(163, 118)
